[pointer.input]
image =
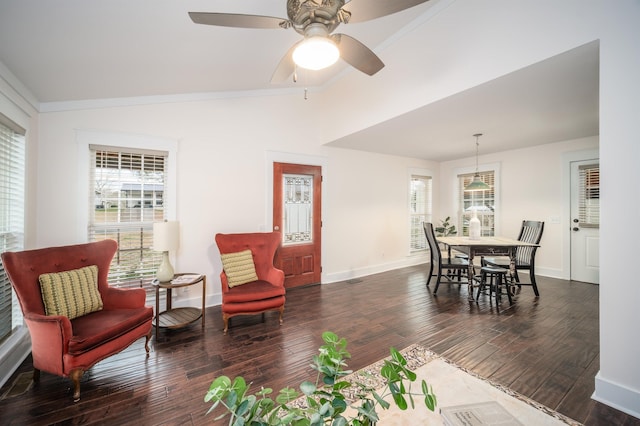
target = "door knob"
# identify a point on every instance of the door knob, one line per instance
(575, 228)
(276, 228)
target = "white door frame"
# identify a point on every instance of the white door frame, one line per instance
(567, 159)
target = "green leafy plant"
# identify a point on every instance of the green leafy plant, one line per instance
(445, 229)
(326, 402)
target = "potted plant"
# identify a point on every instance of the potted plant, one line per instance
(445, 229)
(323, 402)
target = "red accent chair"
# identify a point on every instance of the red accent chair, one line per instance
(67, 347)
(265, 294)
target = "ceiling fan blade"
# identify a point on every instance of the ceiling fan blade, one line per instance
(285, 67)
(238, 20)
(365, 10)
(357, 54)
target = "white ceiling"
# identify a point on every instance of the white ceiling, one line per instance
(551, 101)
(72, 50)
(76, 49)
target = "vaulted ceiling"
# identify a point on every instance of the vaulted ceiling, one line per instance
(72, 50)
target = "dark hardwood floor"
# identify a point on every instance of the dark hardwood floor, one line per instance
(545, 348)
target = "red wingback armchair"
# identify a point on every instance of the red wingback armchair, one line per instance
(70, 347)
(267, 293)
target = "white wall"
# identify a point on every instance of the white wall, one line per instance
(367, 227)
(223, 150)
(221, 184)
(618, 381)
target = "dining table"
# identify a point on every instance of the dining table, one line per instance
(484, 246)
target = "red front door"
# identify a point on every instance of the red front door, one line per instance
(297, 200)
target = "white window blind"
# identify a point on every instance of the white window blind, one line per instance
(127, 193)
(589, 196)
(12, 170)
(420, 210)
(482, 201)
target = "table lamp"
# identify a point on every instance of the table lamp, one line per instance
(165, 239)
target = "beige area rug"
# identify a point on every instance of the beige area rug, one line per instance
(456, 387)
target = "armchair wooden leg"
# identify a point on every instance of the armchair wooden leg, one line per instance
(225, 319)
(146, 342)
(75, 376)
(281, 314)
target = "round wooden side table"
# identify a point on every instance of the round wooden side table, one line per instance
(178, 317)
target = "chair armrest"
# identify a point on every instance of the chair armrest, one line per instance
(224, 282)
(124, 298)
(50, 336)
(275, 276)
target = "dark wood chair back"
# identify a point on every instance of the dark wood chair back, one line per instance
(436, 255)
(530, 232)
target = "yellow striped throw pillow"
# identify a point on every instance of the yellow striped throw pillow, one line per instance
(239, 267)
(71, 293)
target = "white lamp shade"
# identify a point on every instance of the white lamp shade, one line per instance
(316, 53)
(165, 236)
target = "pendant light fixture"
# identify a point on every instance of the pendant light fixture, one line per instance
(477, 184)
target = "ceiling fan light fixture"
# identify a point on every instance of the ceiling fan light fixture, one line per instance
(316, 53)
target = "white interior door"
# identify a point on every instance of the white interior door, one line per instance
(585, 221)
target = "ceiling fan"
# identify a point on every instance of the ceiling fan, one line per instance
(316, 20)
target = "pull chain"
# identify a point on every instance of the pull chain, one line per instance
(295, 80)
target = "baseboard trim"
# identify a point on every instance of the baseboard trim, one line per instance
(194, 301)
(549, 272)
(372, 269)
(617, 396)
(12, 352)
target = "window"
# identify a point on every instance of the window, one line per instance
(419, 210)
(589, 195)
(127, 194)
(12, 170)
(483, 202)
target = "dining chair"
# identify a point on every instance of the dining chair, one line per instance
(530, 232)
(440, 262)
